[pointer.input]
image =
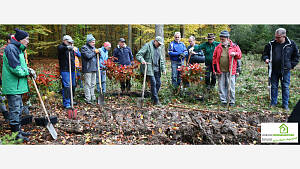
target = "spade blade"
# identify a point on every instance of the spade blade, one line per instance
(52, 130)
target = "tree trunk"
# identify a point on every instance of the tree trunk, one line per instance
(182, 31)
(130, 36)
(63, 30)
(159, 31)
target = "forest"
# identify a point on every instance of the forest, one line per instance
(185, 117)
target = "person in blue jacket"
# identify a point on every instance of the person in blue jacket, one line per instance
(177, 52)
(103, 57)
(124, 57)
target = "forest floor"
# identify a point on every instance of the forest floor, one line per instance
(193, 116)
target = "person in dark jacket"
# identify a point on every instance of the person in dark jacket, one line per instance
(89, 68)
(64, 49)
(14, 85)
(282, 55)
(177, 52)
(124, 57)
(197, 55)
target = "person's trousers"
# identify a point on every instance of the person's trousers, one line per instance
(210, 77)
(66, 93)
(89, 86)
(223, 83)
(125, 85)
(103, 81)
(155, 85)
(78, 78)
(285, 82)
(176, 79)
(15, 105)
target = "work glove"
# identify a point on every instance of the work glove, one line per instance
(70, 47)
(32, 73)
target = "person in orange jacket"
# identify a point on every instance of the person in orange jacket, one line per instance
(222, 56)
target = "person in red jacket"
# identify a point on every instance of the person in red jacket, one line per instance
(222, 63)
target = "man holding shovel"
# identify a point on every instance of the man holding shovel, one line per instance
(14, 82)
(64, 49)
(224, 62)
(89, 68)
(151, 54)
(282, 55)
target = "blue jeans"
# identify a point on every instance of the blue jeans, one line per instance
(66, 87)
(176, 79)
(285, 82)
(155, 85)
(15, 105)
(103, 81)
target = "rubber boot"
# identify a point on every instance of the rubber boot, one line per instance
(6, 116)
(16, 128)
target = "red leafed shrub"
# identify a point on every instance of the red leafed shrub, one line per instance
(120, 72)
(192, 73)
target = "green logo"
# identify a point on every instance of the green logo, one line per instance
(283, 129)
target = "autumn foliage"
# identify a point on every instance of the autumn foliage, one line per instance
(192, 73)
(120, 72)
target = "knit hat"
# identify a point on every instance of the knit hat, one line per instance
(224, 34)
(20, 34)
(106, 44)
(89, 38)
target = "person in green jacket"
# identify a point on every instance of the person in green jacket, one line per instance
(14, 79)
(151, 54)
(209, 47)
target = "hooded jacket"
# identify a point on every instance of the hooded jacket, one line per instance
(14, 70)
(289, 52)
(89, 59)
(146, 53)
(63, 57)
(217, 55)
(124, 56)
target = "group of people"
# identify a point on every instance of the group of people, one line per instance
(222, 61)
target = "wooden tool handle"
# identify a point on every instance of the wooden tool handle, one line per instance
(40, 98)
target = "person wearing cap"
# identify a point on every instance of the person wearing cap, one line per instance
(124, 56)
(282, 55)
(152, 55)
(89, 68)
(177, 52)
(103, 57)
(209, 47)
(64, 49)
(197, 55)
(222, 57)
(14, 82)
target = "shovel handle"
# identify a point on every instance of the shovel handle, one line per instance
(144, 82)
(99, 73)
(40, 98)
(229, 83)
(71, 87)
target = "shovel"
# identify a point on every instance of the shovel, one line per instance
(72, 113)
(49, 125)
(141, 100)
(229, 84)
(101, 96)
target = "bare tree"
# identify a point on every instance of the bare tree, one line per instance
(130, 36)
(159, 31)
